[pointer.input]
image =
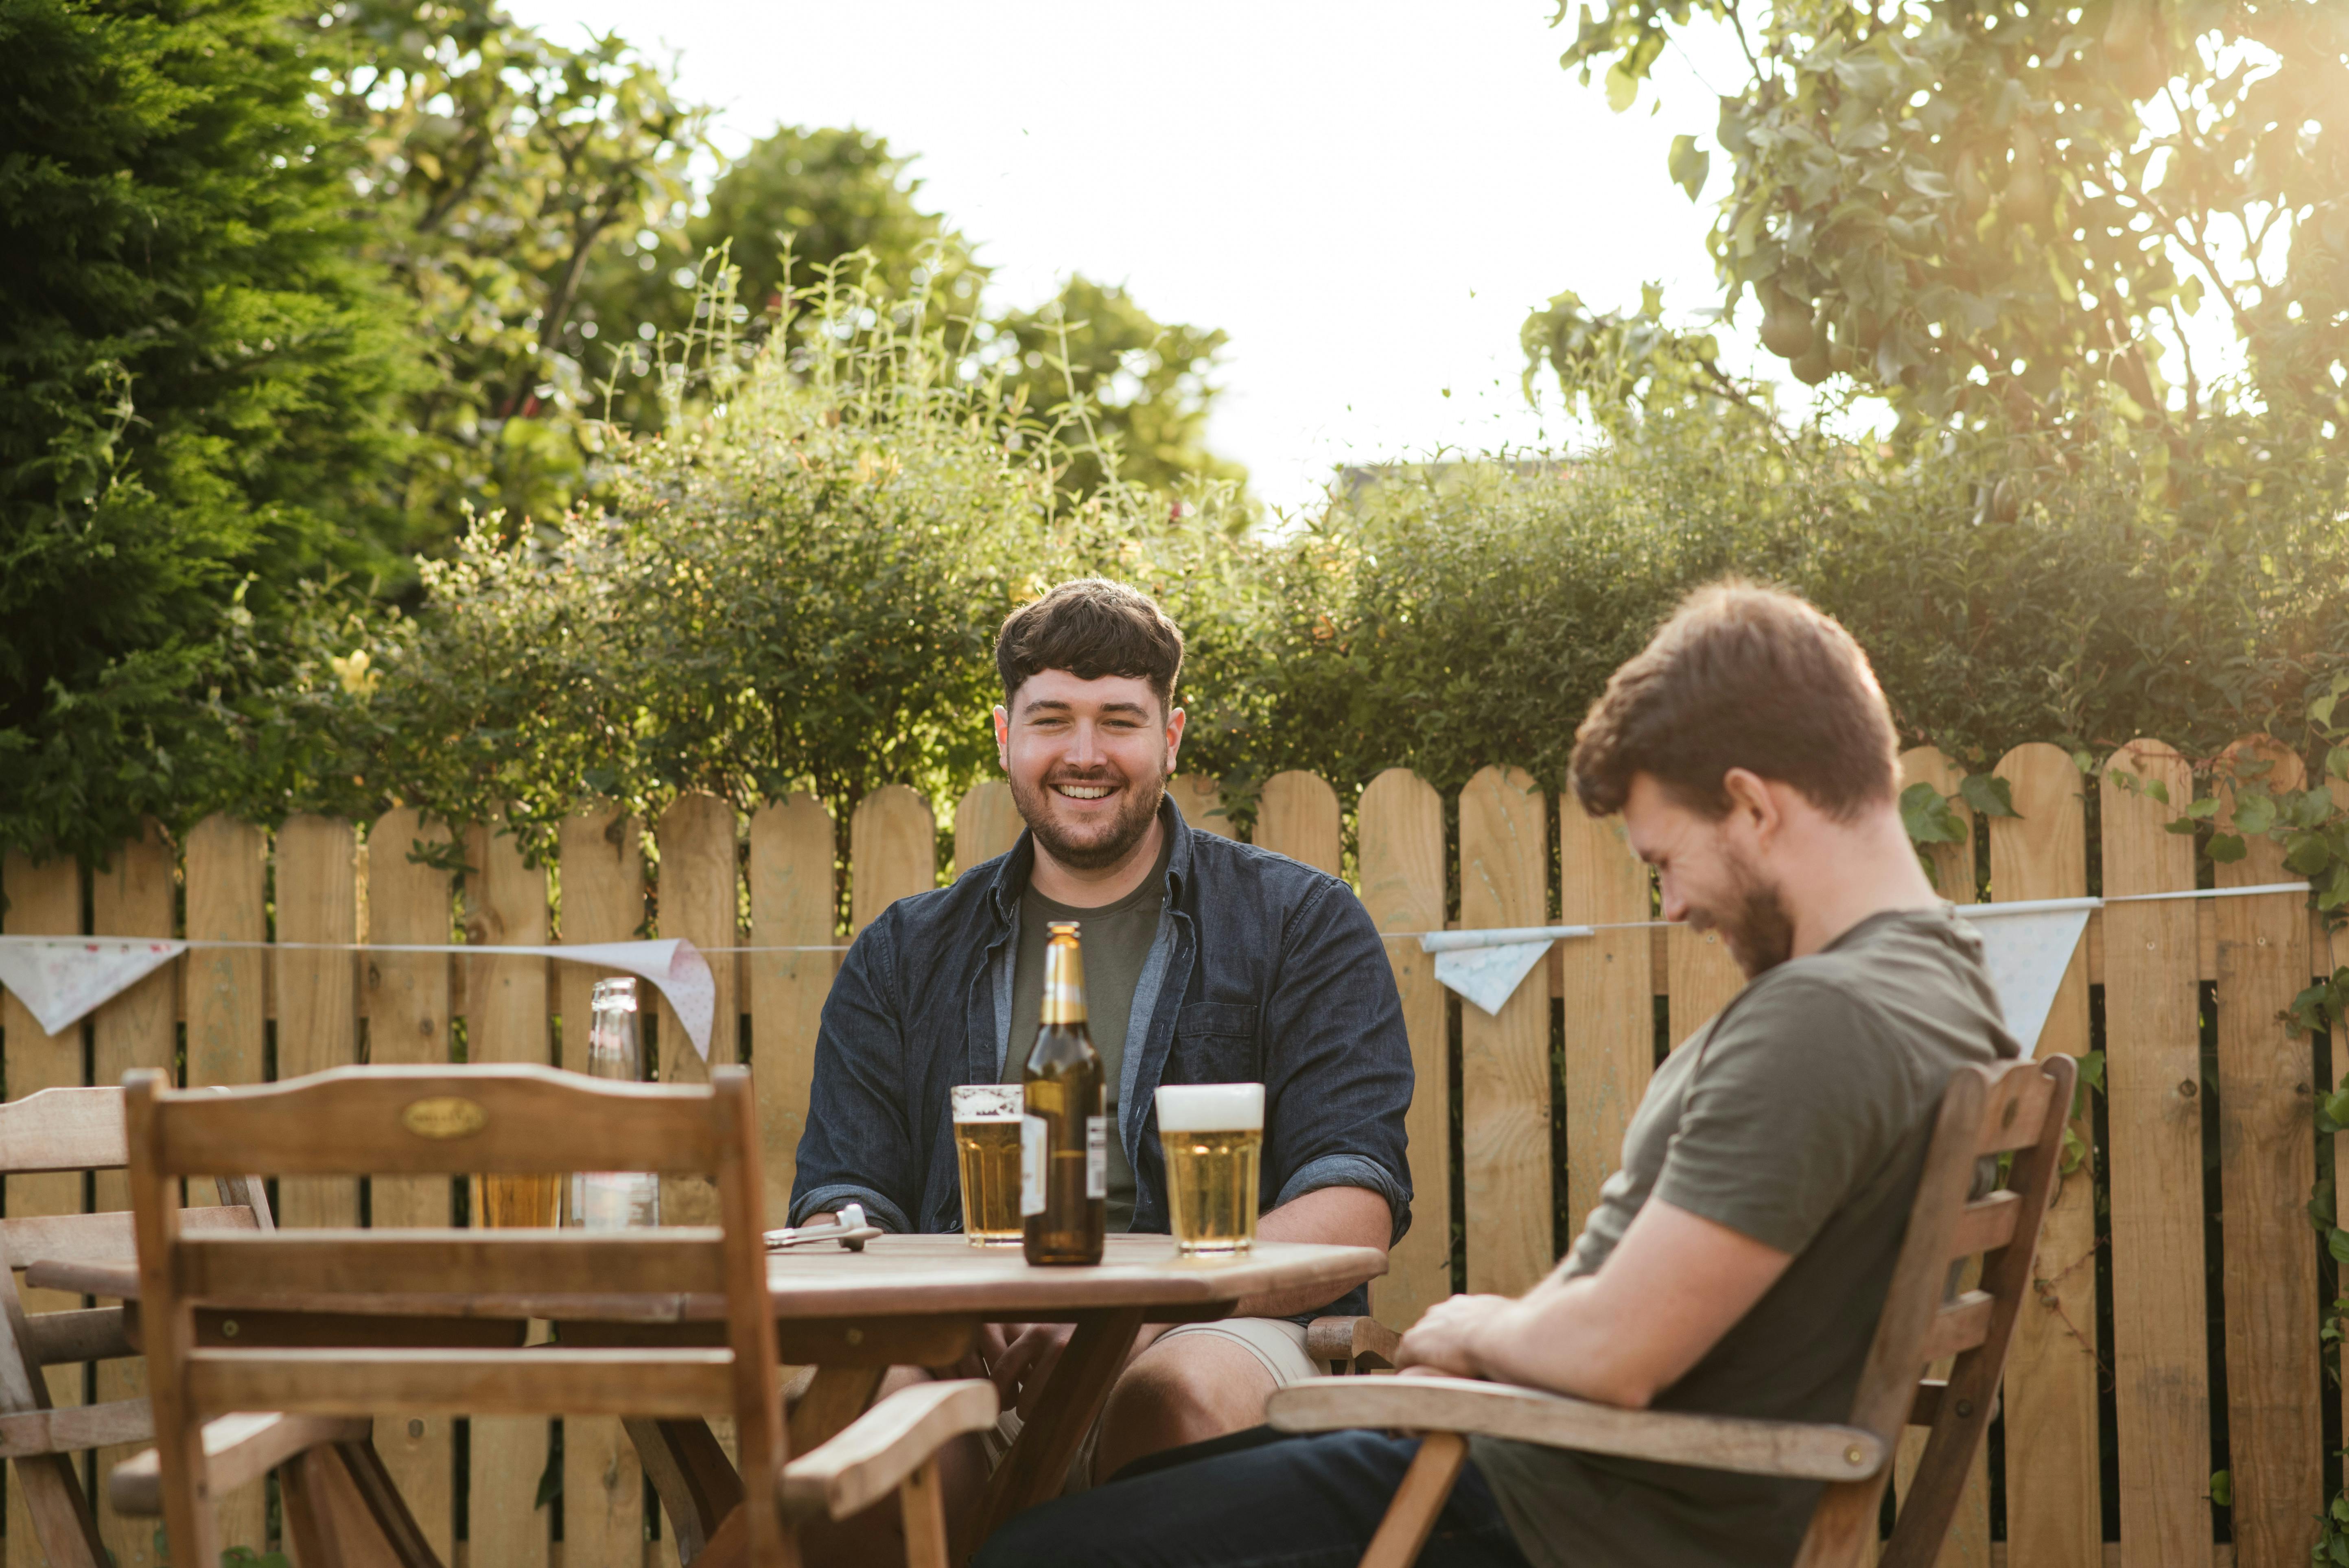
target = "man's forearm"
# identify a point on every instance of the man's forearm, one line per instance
(1337, 1217)
(1551, 1338)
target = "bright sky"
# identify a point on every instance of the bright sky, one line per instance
(1368, 197)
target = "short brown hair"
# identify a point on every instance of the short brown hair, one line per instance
(1091, 627)
(1742, 677)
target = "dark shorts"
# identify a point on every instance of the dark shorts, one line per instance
(1256, 1499)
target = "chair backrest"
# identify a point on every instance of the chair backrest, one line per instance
(451, 1122)
(2016, 1108)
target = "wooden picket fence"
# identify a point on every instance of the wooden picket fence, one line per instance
(244, 1014)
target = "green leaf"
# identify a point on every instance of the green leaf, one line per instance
(2337, 762)
(2309, 854)
(1928, 817)
(2181, 825)
(2222, 1488)
(1688, 165)
(2321, 710)
(2337, 1243)
(2255, 812)
(2157, 790)
(2091, 1071)
(1622, 89)
(2206, 807)
(1929, 182)
(2227, 848)
(1987, 794)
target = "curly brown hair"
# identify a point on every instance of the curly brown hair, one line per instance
(1091, 627)
(1748, 677)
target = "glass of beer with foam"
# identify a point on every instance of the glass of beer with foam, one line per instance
(1213, 1137)
(986, 1147)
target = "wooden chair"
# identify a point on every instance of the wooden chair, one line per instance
(448, 1122)
(76, 1129)
(2019, 1107)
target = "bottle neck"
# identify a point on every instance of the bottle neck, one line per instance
(1064, 985)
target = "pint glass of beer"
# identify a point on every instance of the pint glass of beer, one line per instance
(1212, 1138)
(986, 1146)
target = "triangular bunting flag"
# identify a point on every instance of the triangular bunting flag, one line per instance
(2026, 950)
(60, 979)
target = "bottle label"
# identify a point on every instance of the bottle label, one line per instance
(1035, 1158)
(1097, 1156)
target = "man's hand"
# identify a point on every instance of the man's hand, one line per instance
(1019, 1359)
(1441, 1341)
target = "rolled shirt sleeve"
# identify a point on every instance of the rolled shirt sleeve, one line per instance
(857, 1146)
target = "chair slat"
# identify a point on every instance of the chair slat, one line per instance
(1986, 1224)
(238, 1449)
(2013, 1113)
(69, 1428)
(459, 1382)
(63, 1129)
(307, 1268)
(431, 1121)
(1960, 1325)
(106, 1238)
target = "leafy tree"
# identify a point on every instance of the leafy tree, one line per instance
(1093, 360)
(1995, 214)
(197, 391)
(504, 167)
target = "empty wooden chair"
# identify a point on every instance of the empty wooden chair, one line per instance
(75, 1129)
(2019, 1107)
(520, 1120)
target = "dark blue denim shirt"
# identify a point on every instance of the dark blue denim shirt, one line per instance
(1263, 970)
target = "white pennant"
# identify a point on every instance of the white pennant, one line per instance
(2027, 946)
(1486, 967)
(61, 978)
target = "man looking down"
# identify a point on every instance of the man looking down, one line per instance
(1206, 961)
(1738, 1259)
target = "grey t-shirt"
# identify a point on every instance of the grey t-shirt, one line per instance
(1799, 1116)
(1115, 941)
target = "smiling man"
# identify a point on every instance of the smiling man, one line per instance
(1740, 1254)
(1206, 961)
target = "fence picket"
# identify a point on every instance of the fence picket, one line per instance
(408, 1022)
(1504, 1077)
(2267, 1165)
(42, 898)
(695, 899)
(505, 1021)
(2153, 1113)
(603, 888)
(2051, 1512)
(228, 871)
(1702, 979)
(317, 993)
(792, 904)
(1297, 815)
(1606, 983)
(1201, 800)
(1953, 868)
(1402, 836)
(987, 822)
(133, 896)
(892, 852)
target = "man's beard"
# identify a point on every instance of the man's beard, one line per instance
(1755, 927)
(1125, 830)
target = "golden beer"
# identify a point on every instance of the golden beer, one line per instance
(987, 1148)
(1063, 1136)
(517, 1203)
(1212, 1138)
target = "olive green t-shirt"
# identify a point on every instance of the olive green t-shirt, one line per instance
(1799, 1116)
(1115, 941)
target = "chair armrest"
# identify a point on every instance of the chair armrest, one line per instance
(69, 1428)
(237, 1448)
(1810, 1452)
(1351, 1340)
(873, 1455)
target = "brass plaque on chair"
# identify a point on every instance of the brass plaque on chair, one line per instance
(446, 1116)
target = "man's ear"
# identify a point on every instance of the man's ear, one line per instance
(1003, 737)
(1754, 802)
(1174, 737)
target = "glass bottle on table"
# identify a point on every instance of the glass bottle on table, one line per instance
(1063, 1134)
(615, 1200)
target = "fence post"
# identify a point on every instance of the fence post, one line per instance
(1504, 1077)
(793, 903)
(696, 899)
(408, 1022)
(2153, 1119)
(317, 993)
(1201, 800)
(893, 851)
(603, 892)
(2268, 1163)
(505, 1021)
(1401, 832)
(987, 823)
(43, 897)
(1607, 982)
(1297, 815)
(133, 896)
(2052, 1512)
(1700, 980)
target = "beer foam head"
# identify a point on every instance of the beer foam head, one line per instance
(987, 1102)
(1210, 1106)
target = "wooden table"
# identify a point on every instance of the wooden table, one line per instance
(905, 1300)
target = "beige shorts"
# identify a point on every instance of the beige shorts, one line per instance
(1277, 1345)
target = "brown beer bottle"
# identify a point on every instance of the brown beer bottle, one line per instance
(1064, 1137)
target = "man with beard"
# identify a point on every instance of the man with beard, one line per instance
(1206, 961)
(1739, 1256)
